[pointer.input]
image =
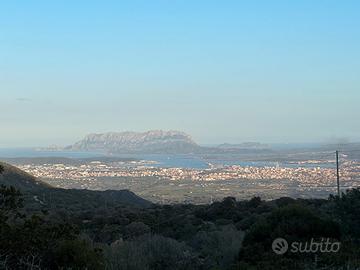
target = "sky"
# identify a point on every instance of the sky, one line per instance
(222, 71)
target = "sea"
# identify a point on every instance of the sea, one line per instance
(157, 160)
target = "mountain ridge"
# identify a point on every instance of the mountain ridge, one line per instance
(153, 141)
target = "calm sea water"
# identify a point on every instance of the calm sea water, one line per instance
(31, 152)
(169, 161)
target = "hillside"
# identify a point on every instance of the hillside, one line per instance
(38, 193)
(13, 176)
(81, 229)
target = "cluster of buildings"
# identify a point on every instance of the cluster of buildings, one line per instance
(93, 170)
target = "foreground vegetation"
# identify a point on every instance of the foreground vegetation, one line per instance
(224, 235)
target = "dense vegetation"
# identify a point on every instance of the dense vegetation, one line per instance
(224, 235)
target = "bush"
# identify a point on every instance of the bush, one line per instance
(150, 252)
(76, 254)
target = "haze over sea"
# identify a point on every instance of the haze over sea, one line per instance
(188, 161)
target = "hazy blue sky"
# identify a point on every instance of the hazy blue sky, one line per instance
(270, 71)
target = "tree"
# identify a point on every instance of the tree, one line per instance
(31, 242)
(218, 248)
(150, 252)
(294, 222)
(76, 254)
(10, 199)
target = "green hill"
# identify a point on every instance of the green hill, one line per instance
(13, 176)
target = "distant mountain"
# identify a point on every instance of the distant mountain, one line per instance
(245, 145)
(39, 194)
(155, 141)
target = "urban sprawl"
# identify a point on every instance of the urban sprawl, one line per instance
(182, 184)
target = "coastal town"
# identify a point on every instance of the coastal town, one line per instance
(142, 177)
